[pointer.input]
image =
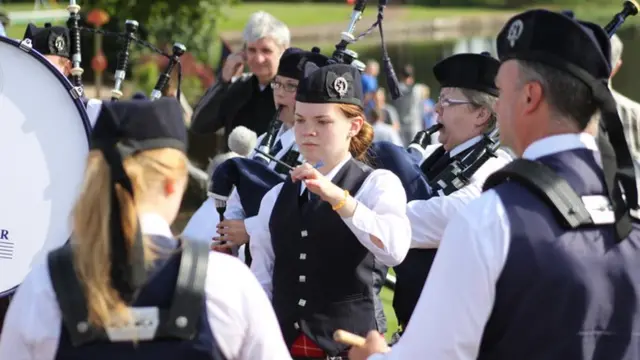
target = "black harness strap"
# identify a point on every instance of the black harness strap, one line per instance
(179, 321)
(548, 186)
(188, 298)
(70, 295)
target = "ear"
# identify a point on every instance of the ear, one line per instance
(356, 125)
(531, 96)
(482, 117)
(615, 69)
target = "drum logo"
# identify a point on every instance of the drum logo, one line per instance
(6, 245)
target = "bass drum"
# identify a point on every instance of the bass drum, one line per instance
(44, 144)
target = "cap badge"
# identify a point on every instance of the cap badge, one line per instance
(59, 44)
(341, 86)
(515, 30)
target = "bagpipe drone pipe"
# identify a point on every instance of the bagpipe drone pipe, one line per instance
(126, 39)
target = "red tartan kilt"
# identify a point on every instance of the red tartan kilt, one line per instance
(305, 347)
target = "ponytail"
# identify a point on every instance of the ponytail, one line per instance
(363, 139)
(91, 215)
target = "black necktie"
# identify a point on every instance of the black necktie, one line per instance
(438, 166)
(276, 148)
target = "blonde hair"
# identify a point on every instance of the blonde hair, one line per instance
(363, 139)
(91, 215)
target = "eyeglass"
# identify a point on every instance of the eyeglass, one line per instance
(444, 102)
(288, 87)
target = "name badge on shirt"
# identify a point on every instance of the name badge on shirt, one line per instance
(145, 321)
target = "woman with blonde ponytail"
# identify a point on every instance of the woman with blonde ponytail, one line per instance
(124, 287)
(323, 239)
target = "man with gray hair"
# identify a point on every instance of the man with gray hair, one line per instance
(628, 110)
(245, 99)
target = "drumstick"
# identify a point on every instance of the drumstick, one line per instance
(317, 166)
(348, 338)
(273, 159)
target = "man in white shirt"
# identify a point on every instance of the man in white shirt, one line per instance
(465, 111)
(519, 278)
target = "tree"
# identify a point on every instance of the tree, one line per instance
(191, 22)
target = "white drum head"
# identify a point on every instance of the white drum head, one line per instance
(43, 149)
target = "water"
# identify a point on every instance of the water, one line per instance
(423, 56)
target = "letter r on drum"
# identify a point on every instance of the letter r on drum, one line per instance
(4, 234)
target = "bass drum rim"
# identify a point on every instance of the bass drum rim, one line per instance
(6, 294)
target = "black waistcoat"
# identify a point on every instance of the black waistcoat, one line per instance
(324, 279)
(412, 272)
(564, 294)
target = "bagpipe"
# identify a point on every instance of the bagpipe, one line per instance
(127, 38)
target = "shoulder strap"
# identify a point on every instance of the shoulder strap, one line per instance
(70, 296)
(188, 297)
(549, 186)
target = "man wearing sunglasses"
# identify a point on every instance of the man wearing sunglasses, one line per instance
(465, 111)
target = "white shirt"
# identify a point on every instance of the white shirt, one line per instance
(93, 110)
(380, 212)
(243, 322)
(234, 209)
(440, 209)
(459, 294)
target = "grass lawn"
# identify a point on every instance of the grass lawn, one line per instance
(295, 15)
(392, 322)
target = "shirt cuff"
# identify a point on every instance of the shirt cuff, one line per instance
(377, 356)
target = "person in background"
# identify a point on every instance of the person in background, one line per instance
(383, 131)
(99, 296)
(4, 23)
(408, 105)
(245, 99)
(628, 110)
(428, 109)
(388, 113)
(370, 84)
(54, 43)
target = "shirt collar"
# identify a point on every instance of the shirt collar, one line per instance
(559, 143)
(154, 224)
(286, 137)
(331, 174)
(465, 145)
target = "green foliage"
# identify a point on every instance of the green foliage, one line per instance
(191, 22)
(191, 87)
(145, 76)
